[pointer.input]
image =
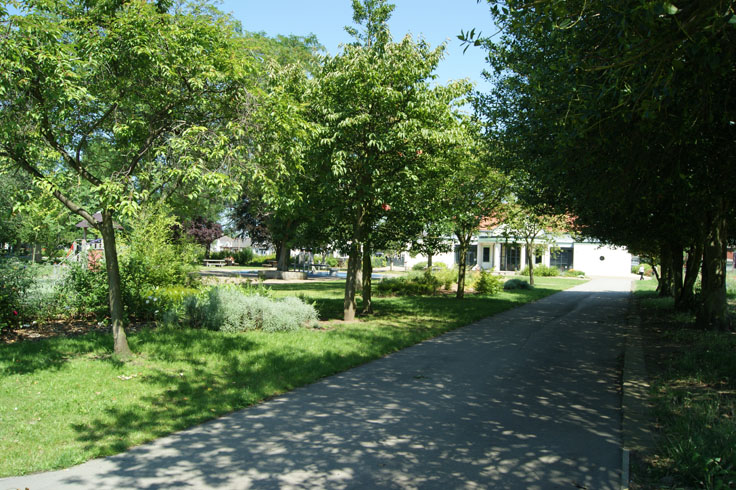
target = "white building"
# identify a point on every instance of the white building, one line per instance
(492, 251)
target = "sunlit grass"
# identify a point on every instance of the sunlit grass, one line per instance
(65, 400)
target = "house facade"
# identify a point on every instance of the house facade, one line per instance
(492, 251)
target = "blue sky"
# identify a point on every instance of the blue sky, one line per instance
(437, 21)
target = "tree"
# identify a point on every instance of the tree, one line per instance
(475, 190)
(133, 99)
(621, 115)
(203, 231)
(380, 124)
(535, 230)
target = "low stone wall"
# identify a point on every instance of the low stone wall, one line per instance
(287, 275)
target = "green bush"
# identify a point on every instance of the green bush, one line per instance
(573, 273)
(258, 260)
(378, 261)
(15, 280)
(244, 256)
(83, 292)
(231, 309)
(541, 271)
(487, 283)
(331, 261)
(420, 266)
(516, 284)
(411, 285)
(447, 277)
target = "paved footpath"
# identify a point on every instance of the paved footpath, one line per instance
(527, 399)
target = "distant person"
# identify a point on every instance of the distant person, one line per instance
(641, 272)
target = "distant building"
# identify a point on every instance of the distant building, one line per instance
(492, 251)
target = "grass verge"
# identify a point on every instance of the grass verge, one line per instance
(65, 400)
(693, 392)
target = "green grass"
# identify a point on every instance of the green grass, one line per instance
(693, 377)
(65, 400)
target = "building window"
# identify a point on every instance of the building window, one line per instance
(562, 259)
(471, 259)
(486, 254)
(510, 257)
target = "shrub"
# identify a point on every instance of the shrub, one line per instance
(244, 256)
(378, 261)
(83, 291)
(151, 259)
(541, 271)
(331, 261)
(487, 283)
(230, 309)
(573, 273)
(258, 260)
(411, 285)
(15, 280)
(420, 266)
(447, 277)
(516, 284)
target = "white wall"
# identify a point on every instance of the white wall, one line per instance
(587, 258)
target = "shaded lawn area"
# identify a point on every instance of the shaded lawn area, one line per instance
(693, 392)
(65, 400)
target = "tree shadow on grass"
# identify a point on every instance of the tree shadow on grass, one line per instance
(51, 354)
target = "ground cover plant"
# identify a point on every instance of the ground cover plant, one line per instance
(67, 400)
(693, 392)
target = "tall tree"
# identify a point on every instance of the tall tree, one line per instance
(127, 96)
(380, 123)
(622, 115)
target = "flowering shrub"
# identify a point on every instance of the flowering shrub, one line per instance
(15, 279)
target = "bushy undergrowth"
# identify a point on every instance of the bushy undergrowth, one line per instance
(516, 284)
(411, 285)
(237, 309)
(542, 271)
(573, 273)
(258, 260)
(16, 278)
(420, 266)
(694, 398)
(240, 257)
(487, 283)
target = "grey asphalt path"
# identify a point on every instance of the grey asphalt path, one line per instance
(527, 399)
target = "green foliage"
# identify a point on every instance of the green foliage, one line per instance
(447, 277)
(152, 259)
(378, 261)
(487, 283)
(541, 270)
(232, 309)
(410, 285)
(84, 291)
(16, 278)
(331, 261)
(420, 266)
(516, 283)
(573, 273)
(240, 257)
(258, 260)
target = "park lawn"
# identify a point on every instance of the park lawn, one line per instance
(66, 400)
(693, 392)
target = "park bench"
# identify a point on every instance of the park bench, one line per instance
(214, 263)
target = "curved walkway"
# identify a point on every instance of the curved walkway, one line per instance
(526, 399)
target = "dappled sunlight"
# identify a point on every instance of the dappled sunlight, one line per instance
(525, 399)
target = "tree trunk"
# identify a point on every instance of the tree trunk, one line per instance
(429, 260)
(713, 312)
(665, 277)
(686, 301)
(463, 249)
(367, 280)
(530, 263)
(283, 257)
(677, 279)
(354, 266)
(207, 251)
(115, 293)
